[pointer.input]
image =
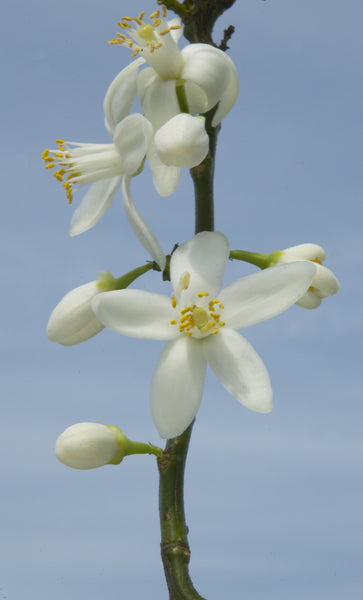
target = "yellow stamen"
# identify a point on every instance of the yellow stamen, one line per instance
(173, 322)
(173, 301)
(164, 11)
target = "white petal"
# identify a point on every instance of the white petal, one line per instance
(86, 446)
(206, 67)
(303, 252)
(182, 141)
(94, 204)
(142, 231)
(165, 179)
(120, 95)
(177, 386)
(214, 72)
(230, 93)
(132, 137)
(136, 313)
(265, 294)
(239, 369)
(309, 300)
(197, 99)
(325, 283)
(73, 320)
(160, 102)
(204, 257)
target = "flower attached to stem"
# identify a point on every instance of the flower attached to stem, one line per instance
(199, 323)
(324, 283)
(91, 445)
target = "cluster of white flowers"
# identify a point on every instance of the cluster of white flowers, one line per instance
(174, 91)
(199, 321)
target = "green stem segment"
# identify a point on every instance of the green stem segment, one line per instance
(175, 550)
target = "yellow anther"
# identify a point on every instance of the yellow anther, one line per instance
(45, 154)
(201, 294)
(173, 301)
(185, 310)
(173, 322)
(59, 141)
(215, 331)
(174, 27)
(59, 174)
(48, 159)
(135, 52)
(157, 46)
(221, 306)
(157, 22)
(154, 15)
(164, 11)
(142, 14)
(222, 323)
(164, 32)
(50, 165)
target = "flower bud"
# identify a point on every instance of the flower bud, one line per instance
(73, 320)
(324, 283)
(91, 445)
(182, 141)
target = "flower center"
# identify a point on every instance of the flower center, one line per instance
(81, 164)
(145, 38)
(200, 319)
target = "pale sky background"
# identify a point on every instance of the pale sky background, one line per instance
(274, 502)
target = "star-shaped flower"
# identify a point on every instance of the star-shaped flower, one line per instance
(199, 323)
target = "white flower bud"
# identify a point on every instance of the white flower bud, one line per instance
(182, 141)
(324, 283)
(89, 445)
(73, 320)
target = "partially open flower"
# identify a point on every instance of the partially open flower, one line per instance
(90, 445)
(324, 283)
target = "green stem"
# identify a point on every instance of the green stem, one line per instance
(203, 176)
(263, 261)
(175, 550)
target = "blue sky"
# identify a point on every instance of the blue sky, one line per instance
(273, 502)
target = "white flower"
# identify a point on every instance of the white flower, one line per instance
(205, 74)
(324, 283)
(102, 165)
(90, 445)
(73, 320)
(199, 324)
